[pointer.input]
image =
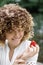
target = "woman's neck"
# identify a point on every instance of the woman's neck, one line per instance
(11, 52)
(11, 47)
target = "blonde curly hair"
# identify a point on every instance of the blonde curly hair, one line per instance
(13, 15)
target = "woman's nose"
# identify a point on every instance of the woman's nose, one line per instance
(16, 36)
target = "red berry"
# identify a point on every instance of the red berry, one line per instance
(33, 43)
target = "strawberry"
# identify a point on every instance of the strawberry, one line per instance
(33, 43)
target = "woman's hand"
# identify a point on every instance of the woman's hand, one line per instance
(28, 53)
(19, 62)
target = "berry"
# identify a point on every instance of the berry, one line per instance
(33, 43)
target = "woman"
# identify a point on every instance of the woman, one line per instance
(16, 27)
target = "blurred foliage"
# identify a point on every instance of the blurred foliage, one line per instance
(36, 4)
(35, 7)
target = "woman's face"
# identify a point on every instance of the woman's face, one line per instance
(14, 37)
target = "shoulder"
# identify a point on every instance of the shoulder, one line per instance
(27, 43)
(1, 47)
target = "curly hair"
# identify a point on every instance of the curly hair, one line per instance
(13, 15)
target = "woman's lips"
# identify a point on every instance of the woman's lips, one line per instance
(15, 38)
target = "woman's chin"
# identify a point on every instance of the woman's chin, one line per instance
(15, 43)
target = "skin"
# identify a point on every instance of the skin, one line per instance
(14, 39)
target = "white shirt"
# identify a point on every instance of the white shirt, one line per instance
(4, 54)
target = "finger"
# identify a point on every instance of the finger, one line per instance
(27, 54)
(19, 61)
(34, 49)
(30, 49)
(24, 53)
(21, 64)
(27, 50)
(37, 48)
(33, 52)
(19, 56)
